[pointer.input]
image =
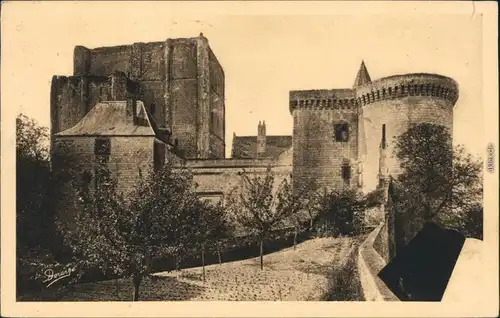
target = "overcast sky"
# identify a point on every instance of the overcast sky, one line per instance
(264, 53)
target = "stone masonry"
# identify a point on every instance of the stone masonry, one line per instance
(149, 103)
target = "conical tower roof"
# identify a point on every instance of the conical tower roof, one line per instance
(363, 77)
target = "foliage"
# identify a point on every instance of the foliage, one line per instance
(298, 202)
(374, 198)
(32, 183)
(339, 212)
(259, 209)
(121, 237)
(212, 227)
(346, 285)
(468, 221)
(438, 180)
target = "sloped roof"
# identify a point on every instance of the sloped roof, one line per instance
(111, 118)
(246, 146)
(363, 77)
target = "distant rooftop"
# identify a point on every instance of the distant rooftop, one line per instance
(113, 118)
(246, 146)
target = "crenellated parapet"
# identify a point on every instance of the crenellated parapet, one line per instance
(399, 86)
(323, 99)
(386, 88)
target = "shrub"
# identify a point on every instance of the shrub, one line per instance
(340, 213)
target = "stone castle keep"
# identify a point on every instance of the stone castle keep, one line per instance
(143, 104)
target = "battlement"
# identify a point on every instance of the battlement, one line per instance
(398, 86)
(323, 99)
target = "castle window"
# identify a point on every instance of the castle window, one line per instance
(390, 90)
(102, 149)
(383, 136)
(383, 92)
(102, 146)
(153, 108)
(342, 132)
(346, 173)
(73, 92)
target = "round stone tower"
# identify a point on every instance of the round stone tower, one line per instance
(388, 106)
(337, 133)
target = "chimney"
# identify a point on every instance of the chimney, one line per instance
(261, 139)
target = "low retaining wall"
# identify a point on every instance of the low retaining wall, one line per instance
(369, 264)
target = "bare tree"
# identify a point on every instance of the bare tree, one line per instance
(212, 227)
(257, 207)
(121, 237)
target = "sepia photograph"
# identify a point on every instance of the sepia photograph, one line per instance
(285, 153)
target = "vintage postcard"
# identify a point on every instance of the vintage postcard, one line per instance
(249, 159)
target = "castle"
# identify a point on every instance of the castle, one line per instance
(143, 104)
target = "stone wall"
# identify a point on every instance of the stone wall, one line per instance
(397, 102)
(216, 178)
(370, 263)
(317, 157)
(180, 81)
(130, 156)
(194, 98)
(73, 96)
(217, 107)
(397, 115)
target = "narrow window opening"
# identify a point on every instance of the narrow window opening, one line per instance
(341, 132)
(152, 109)
(383, 136)
(346, 174)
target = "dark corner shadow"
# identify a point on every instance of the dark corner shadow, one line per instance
(422, 269)
(156, 288)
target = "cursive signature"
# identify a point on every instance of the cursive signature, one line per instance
(51, 277)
